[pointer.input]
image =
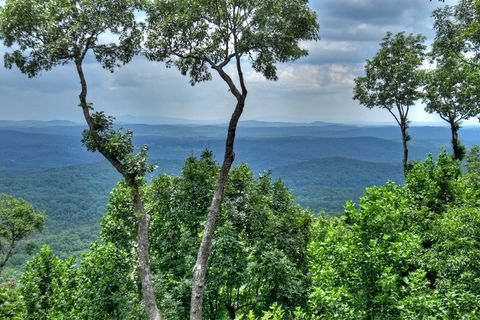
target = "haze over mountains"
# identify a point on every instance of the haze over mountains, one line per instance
(324, 164)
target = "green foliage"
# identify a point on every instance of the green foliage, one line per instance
(203, 33)
(454, 257)
(11, 306)
(259, 254)
(18, 220)
(451, 89)
(393, 80)
(106, 284)
(359, 258)
(457, 29)
(434, 185)
(117, 145)
(407, 252)
(473, 164)
(451, 92)
(393, 76)
(38, 284)
(51, 33)
(101, 285)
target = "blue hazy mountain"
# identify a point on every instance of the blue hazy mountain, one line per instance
(324, 164)
(51, 145)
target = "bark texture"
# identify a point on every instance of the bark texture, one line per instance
(201, 264)
(458, 149)
(405, 139)
(143, 220)
(144, 260)
(402, 121)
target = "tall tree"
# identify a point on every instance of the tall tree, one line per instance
(48, 33)
(18, 220)
(452, 92)
(458, 31)
(392, 81)
(38, 284)
(199, 36)
(251, 266)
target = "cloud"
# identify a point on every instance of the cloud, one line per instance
(316, 87)
(367, 21)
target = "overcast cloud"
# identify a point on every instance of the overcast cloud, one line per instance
(316, 88)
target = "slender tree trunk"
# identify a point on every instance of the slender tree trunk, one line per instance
(454, 140)
(201, 265)
(8, 255)
(458, 151)
(405, 139)
(144, 259)
(232, 314)
(143, 221)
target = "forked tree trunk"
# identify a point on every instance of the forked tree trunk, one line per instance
(201, 265)
(143, 220)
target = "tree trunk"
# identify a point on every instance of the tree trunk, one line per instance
(143, 221)
(458, 150)
(232, 314)
(144, 260)
(201, 265)
(405, 139)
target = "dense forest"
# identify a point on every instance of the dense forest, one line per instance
(402, 251)
(265, 235)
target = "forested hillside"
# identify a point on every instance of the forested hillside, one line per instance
(406, 250)
(171, 219)
(73, 186)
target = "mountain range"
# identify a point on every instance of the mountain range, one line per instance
(324, 164)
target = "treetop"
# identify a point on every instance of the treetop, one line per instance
(47, 33)
(203, 33)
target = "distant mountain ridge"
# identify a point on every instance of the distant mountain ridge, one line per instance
(339, 172)
(35, 123)
(27, 145)
(324, 164)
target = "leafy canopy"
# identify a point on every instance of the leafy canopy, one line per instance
(393, 75)
(47, 33)
(406, 252)
(452, 90)
(18, 220)
(205, 32)
(457, 29)
(259, 256)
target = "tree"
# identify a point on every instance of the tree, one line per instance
(11, 305)
(105, 288)
(259, 257)
(18, 220)
(432, 185)
(392, 80)
(50, 33)
(405, 252)
(452, 92)
(38, 284)
(473, 161)
(97, 286)
(457, 31)
(200, 36)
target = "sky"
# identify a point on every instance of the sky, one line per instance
(314, 88)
